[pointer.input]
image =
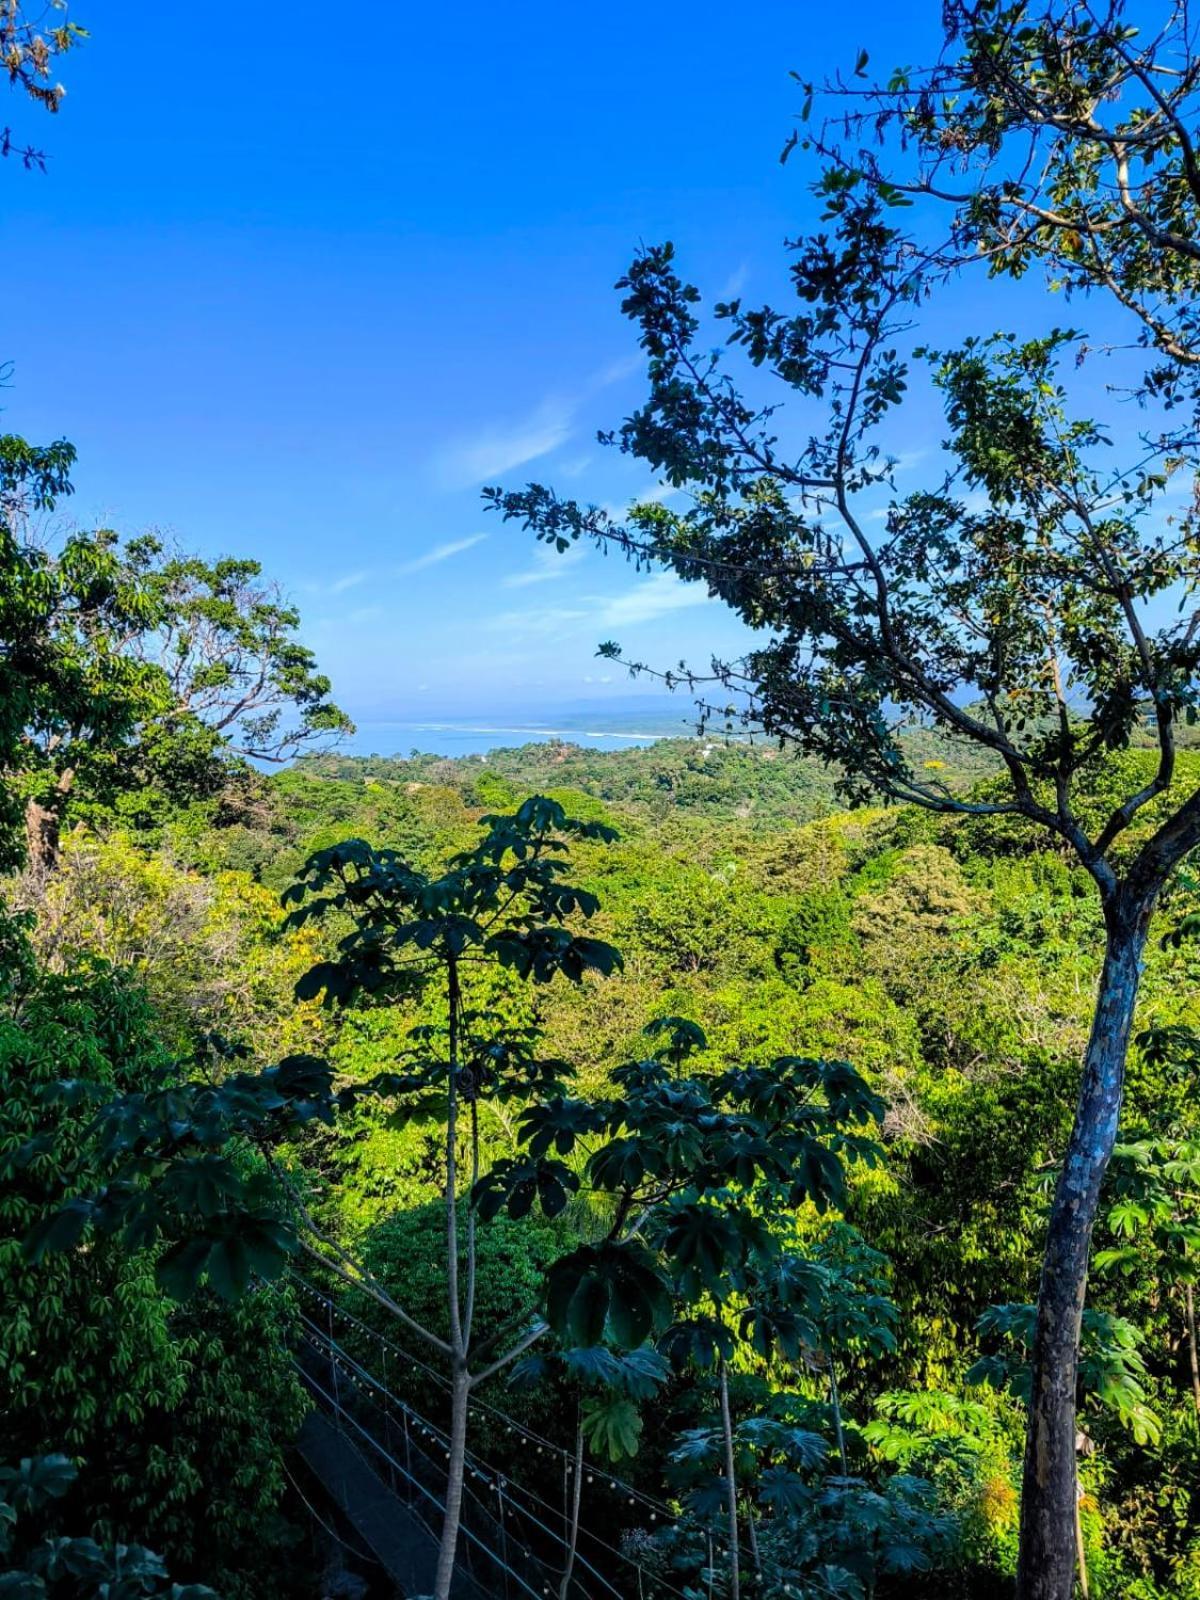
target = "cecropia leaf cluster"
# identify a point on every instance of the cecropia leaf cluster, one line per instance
(691, 1164)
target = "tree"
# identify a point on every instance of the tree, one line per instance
(72, 697)
(691, 1165)
(227, 644)
(813, 1529)
(29, 49)
(606, 1387)
(503, 902)
(681, 1167)
(179, 1181)
(1019, 601)
(132, 668)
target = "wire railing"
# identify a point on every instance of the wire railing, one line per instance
(515, 1510)
(520, 1496)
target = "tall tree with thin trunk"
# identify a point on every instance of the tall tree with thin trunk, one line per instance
(1035, 596)
(503, 902)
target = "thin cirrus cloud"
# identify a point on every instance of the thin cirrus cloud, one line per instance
(498, 450)
(440, 553)
(654, 597)
(350, 581)
(735, 282)
(548, 564)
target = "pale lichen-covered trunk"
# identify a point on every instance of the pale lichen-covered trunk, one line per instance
(1189, 1311)
(564, 1588)
(460, 1385)
(1047, 1566)
(735, 1578)
(455, 1472)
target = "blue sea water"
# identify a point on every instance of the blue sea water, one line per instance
(468, 736)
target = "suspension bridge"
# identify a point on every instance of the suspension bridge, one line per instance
(381, 1463)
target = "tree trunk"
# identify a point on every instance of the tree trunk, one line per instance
(1046, 1567)
(43, 831)
(755, 1552)
(455, 1472)
(735, 1582)
(460, 1389)
(835, 1404)
(1081, 1552)
(1189, 1305)
(576, 1500)
(43, 826)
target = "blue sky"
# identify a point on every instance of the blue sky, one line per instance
(297, 286)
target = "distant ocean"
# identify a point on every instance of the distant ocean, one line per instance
(466, 736)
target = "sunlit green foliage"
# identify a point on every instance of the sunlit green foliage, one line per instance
(179, 1417)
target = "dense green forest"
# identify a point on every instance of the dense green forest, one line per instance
(756, 1167)
(949, 960)
(723, 779)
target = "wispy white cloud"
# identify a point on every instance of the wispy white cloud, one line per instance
(350, 581)
(908, 459)
(615, 371)
(542, 621)
(497, 450)
(548, 564)
(735, 282)
(648, 600)
(439, 553)
(652, 598)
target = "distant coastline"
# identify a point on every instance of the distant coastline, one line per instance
(451, 736)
